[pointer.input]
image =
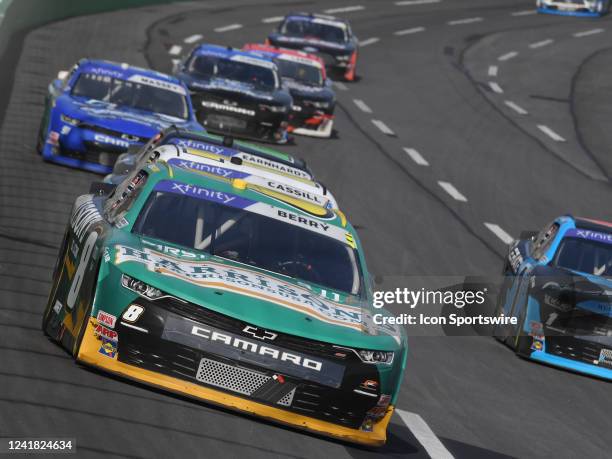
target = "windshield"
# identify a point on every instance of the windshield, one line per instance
(250, 238)
(586, 256)
(306, 28)
(219, 67)
(304, 73)
(131, 94)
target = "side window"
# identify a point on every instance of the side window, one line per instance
(544, 239)
(120, 201)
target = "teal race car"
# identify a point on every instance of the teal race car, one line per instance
(208, 287)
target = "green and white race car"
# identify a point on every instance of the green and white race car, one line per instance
(208, 287)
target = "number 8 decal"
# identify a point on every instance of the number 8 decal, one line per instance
(77, 281)
(132, 313)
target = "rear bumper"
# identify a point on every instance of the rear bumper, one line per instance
(90, 354)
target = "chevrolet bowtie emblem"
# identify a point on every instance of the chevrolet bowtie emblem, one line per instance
(259, 333)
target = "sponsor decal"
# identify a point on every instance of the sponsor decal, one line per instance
(253, 61)
(605, 357)
(303, 221)
(108, 349)
(369, 384)
(244, 282)
(107, 319)
(122, 223)
(103, 138)
(273, 165)
(201, 192)
(161, 84)
(590, 235)
(515, 258)
(288, 189)
(227, 108)
(203, 146)
(105, 72)
(84, 216)
(57, 307)
(106, 333)
(208, 168)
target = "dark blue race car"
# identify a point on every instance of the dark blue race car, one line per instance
(328, 37)
(98, 109)
(558, 284)
(237, 92)
(588, 8)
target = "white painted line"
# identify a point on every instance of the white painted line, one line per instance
(495, 87)
(423, 433)
(493, 70)
(517, 108)
(383, 127)
(464, 21)
(272, 19)
(409, 31)
(227, 28)
(454, 192)
(524, 13)
(416, 156)
(368, 41)
(586, 33)
(340, 85)
(362, 106)
(507, 56)
(500, 233)
(416, 2)
(175, 50)
(540, 44)
(550, 133)
(345, 9)
(193, 38)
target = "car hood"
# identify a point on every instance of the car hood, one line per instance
(307, 91)
(122, 119)
(255, 296)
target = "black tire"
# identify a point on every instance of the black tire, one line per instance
(83, 325)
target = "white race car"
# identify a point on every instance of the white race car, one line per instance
(574, 7)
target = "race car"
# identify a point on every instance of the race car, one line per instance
(98, 109)
(314, 99)
(222, 149)
(328, 37)
(558, 284)
(271, 182)
(237, 92)
(201, 286)
(587, 8)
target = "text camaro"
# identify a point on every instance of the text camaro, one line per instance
(205, 287)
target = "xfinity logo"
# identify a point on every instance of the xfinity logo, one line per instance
(255, 348)
(259, 334)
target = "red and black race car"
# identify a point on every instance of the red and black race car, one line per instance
(304, 76)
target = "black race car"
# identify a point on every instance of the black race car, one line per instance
(237, 92)
(326, 36)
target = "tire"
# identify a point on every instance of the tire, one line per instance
(83, 325)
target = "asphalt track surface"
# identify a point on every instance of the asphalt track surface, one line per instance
(493, 104)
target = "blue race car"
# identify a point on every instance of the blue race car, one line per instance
(98, 109)
(558, 284)
(328, 37)
(588, 8)
(237, 92)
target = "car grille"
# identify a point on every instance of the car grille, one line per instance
(230, 377)
(113, 133)
(577, 349)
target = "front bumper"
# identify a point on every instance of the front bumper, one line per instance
(314, 123)
(583, 12)
(85, 148)
(573, 354)
(162, 358)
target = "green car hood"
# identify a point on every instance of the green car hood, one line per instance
(249, 294)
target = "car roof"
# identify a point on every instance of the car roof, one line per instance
(314, 16)
(308, 217)
(227, 52)
(593, 225)
(123, 70)
(296, 191)
(234, 146)
(298, 55)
